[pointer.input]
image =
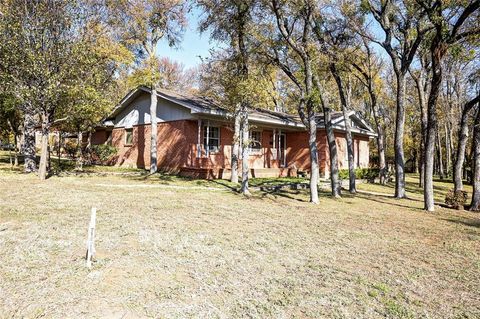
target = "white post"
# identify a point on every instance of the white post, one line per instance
(274, 151)
(208, 138)
(199, 139)
(91, 238)
(279, 149)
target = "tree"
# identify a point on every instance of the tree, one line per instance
(420, 78)
(453, 23)
(172, 75)
(231, 22)
(462, 143)
(368, 69)
(334, 37)
(297, 45)
(10, 27)
(324, 97)
(404, 27)
(143, 24)
(475, 204)
(54, 51)
(45, 51)
(10, 122)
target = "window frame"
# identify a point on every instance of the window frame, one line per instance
(125, 141)
(254, 150)
(216, 148)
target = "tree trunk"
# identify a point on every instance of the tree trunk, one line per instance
(59, 151)
(380, 139)
(399, 132)
(332, 148)
(88, 148)
(314, 168)
(16, 149)
(421, 166)
(461, 146)
(235, 148)
(420, 84)
(42, 169)
(332, 145)
(436, 81)
(348, 131)
(475, 204)
(79, 151)
(153, 131)
(448, 143)
(245, 152)
(28, 148)
(440, 155)
(14, 160)
(10, 156)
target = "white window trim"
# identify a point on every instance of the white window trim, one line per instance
(206, 131)
(126, 134)
(255, 151)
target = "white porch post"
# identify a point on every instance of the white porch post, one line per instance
(207, 151)
(274, 153)
(279, 151)
(199, 140)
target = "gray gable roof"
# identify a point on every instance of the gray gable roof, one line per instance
(206, 106)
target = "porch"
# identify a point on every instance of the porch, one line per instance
(210, 157)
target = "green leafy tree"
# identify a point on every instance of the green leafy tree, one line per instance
(454, 22)
(51, 54)
(143, 24)
(404, 25)
(231, 22)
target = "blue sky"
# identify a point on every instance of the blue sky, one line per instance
(193, 45)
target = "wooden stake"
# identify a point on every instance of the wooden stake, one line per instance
(91, 238)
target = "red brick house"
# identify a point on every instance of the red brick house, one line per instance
(195, 137)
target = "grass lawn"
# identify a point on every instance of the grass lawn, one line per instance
(173, 248)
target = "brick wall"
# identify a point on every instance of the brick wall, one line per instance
(177, 147)
(298, 152)
(99, 137)
(174, 145)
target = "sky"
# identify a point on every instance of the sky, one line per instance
(194, 44)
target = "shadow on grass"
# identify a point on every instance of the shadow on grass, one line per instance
(279, 193)
(387, 199)
(413, 188)
(471, 222)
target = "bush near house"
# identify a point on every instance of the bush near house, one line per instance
(361, 173)
(103, 153)
(70, 149)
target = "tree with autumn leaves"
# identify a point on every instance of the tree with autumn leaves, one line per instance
(401, 62)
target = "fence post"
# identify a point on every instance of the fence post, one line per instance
(91, 238)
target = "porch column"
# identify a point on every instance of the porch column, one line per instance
(274, 152)
(207, 151)
(199, 140)
(279, 151)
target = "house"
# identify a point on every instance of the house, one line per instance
(195, 137)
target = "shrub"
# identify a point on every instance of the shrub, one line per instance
(361, 173)
(70, 148)
(456, 199)
(103, 153)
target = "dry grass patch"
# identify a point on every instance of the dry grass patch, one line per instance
(180, 248)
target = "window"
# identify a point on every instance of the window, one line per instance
(211, 139)
(255, 141)
(128, 136)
